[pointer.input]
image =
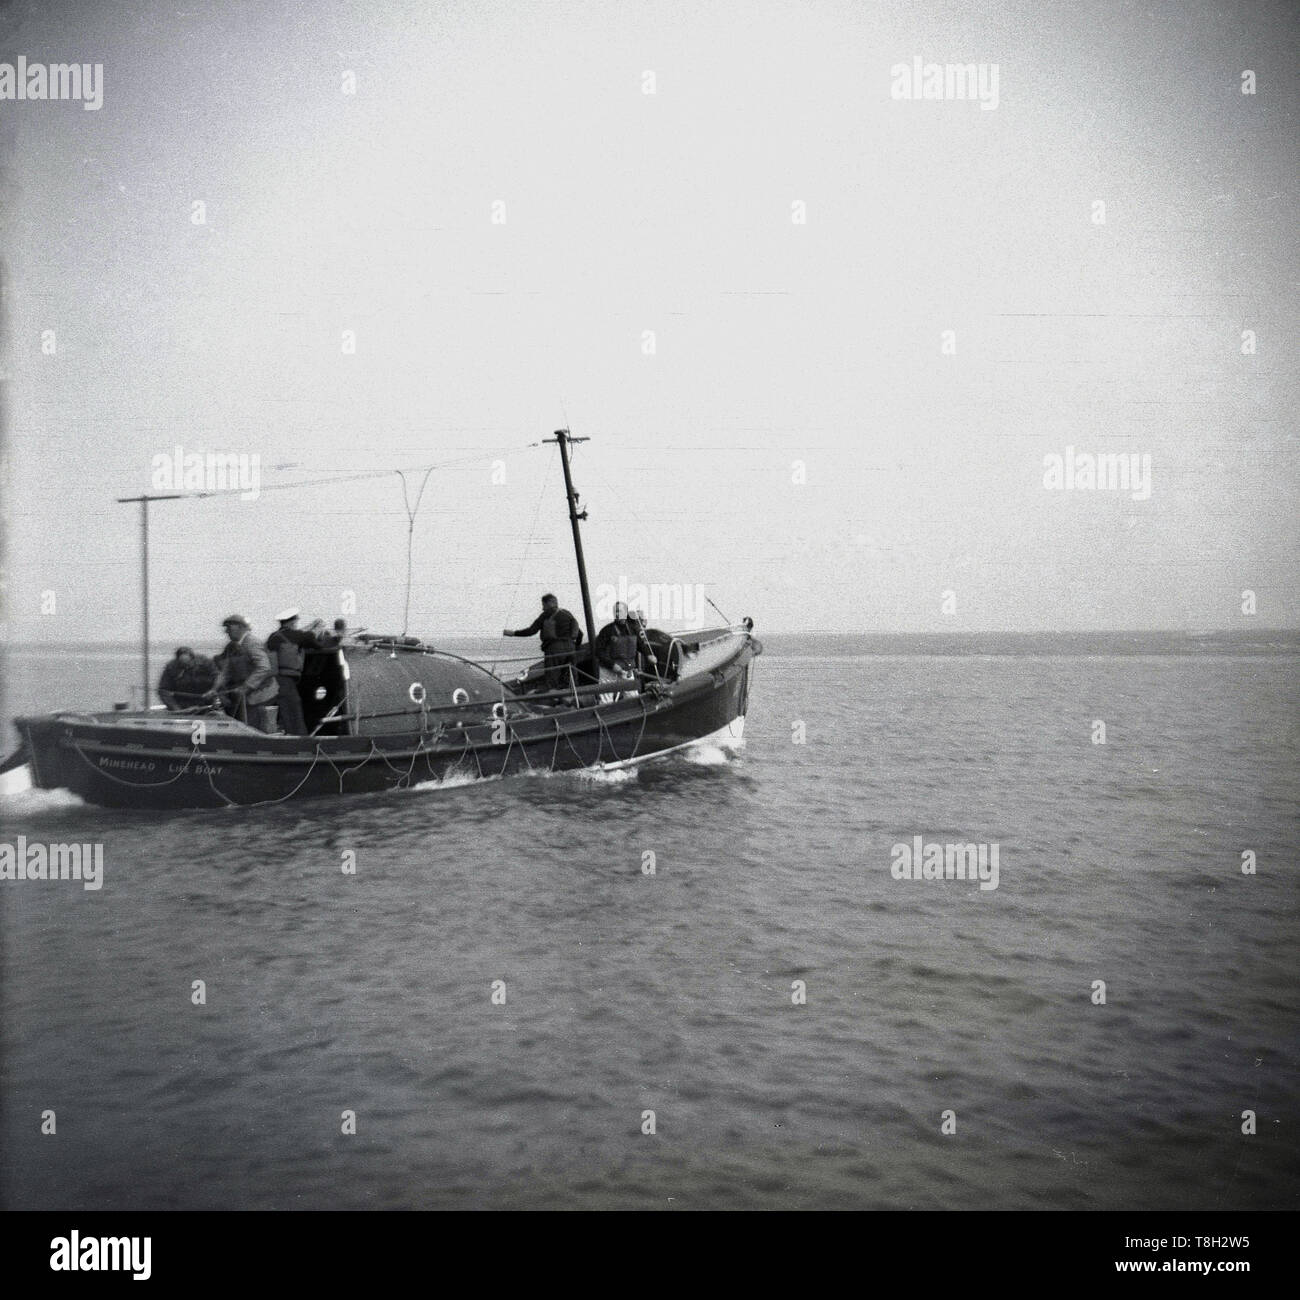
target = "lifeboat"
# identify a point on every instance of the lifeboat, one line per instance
(392, 712)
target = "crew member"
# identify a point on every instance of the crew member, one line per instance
(286, 646)
(618, 644)
(333, 639)
(186, 680)
(561, 637)
(661, 653)
(331, 672)
(245, 679)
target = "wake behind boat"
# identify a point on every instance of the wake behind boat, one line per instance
(387, 712)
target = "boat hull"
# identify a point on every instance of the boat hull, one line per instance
(133, 763)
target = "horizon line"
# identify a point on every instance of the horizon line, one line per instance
(128, 642)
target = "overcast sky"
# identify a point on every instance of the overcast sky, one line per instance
(777, 342)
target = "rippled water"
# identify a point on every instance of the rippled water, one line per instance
(672, 992)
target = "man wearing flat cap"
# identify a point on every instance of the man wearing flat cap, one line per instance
(245, 680)
(286, 647)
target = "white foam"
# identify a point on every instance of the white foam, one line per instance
(16, 781)
(19, 795)
(604, 775)
(452, 781)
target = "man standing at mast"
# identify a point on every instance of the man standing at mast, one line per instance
(561, 637)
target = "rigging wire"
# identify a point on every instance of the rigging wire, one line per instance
(367, 474)
(411, 511)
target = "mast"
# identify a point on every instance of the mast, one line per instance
(145, 676)
(565, 439)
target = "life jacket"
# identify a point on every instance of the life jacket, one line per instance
(623, 643)
(550, 636)
(289, 657)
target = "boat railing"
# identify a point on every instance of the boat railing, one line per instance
(580, 691)
(696, 644)
(493, 663)
(576, 691)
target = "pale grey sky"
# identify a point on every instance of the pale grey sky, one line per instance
(775, 341)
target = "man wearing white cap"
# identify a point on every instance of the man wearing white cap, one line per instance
(286, 646)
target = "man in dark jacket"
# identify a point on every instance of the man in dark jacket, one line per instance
(245, 678)
(333, 639)
(619, 644)
(561, 637)
(286, 646)
(186, 680)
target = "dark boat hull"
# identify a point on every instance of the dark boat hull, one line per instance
(152, 767)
